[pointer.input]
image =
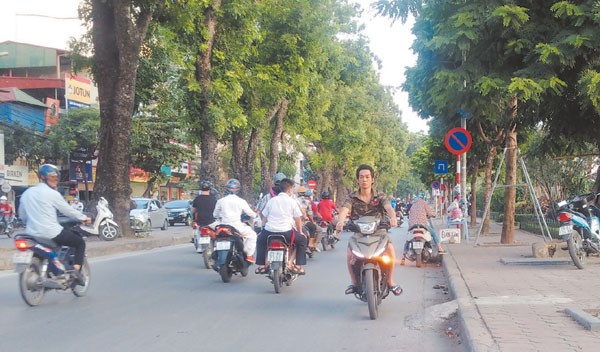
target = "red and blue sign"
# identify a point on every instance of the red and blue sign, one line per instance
(458, 141)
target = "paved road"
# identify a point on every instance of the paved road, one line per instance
(164, 300)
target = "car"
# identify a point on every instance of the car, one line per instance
(148, 213)
(179, 211)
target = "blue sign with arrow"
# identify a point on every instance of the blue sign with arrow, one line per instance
(440, 167)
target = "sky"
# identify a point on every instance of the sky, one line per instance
(53, 25)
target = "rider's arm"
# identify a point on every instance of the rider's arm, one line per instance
(298, 221)
(246, 209)
(217, 211)
(430, 213)
(391, 214)
(62, 206)
(341, 217)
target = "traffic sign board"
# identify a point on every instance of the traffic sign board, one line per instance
(312, 184)
(435, 185)
(458, 140)
(440, 167)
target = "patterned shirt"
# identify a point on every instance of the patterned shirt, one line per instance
(418, 213)
(375, 207)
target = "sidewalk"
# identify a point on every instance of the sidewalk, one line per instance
(519, 307)
(95, 247)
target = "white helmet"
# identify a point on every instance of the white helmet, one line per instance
(3, 198)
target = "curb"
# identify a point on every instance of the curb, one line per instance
(108, 248)
(476, 334)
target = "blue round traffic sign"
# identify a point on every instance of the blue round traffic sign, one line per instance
(435, 185)
(458, 140)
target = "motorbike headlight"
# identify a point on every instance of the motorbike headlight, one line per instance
(358, 254)
(367, 228)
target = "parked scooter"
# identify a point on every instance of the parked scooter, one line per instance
(103, 226)
(278, 256)
(43, 265)
(418, 247)
(368, 258)
(229, 257)
(580, 227)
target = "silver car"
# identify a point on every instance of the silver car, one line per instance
(148, 213)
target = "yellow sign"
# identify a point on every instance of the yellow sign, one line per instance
(78, 89)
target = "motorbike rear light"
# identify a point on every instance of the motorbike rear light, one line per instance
(23, 245)
(276, 245)
(564, 217)
(206, 231)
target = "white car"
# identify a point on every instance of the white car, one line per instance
(148, 213)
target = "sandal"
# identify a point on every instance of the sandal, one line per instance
(396, 290)
(261, 270)
(441, 251)
(351, 290)
(297, 270)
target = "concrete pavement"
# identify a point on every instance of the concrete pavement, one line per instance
(520, 307)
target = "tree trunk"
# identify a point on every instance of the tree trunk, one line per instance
(117, 35)
(209, 167)
(474, 174)
(510, 192)
(276, 138)
(243, 160)
(596, 188)
(487, 188)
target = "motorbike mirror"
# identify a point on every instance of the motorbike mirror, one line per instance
(352, 227)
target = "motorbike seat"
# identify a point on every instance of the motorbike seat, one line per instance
(418, 226)
(226, 229)
(41, 240)
(278, 237)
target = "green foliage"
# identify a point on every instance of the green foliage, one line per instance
(512, 16)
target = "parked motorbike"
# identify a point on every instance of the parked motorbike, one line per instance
(580, 227)
(278, 257)
(43, 265)
(204, 241)
(418, 245)
(368, 260)
(229, 257)
(103, 226)
(327, 235)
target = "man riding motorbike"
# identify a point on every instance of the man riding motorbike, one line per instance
(282, 214)
(204, 205)
(6, 211)
(367, 202)
(419, 214)
(307, 217)
(38, 210)
(229, 210)
(326, 209)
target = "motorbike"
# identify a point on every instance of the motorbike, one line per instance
(399, 218)
(327, 235)
(229, 257)
(367, 262)
(7, 228)
(278, 256)
(204, 241)
(418, 246)
(43, 266)
(103, 226)
(580, 227)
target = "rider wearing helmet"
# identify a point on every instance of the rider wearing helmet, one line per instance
(38, 208)
(204, 204)
(326, 207)
(229, 210)
(6, 211)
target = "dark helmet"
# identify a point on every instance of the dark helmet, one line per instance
(278, 177)
(325, 195)
(233, 186)
(47, 170)
(308, 192)
(206, 185)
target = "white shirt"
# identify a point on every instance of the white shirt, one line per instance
(38, 208)
(229, 209)
(280, 212)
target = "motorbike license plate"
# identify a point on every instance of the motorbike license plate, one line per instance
(417, 245)
(206, 240)
(565, 230)
(223, 245)
(22, 257)
(275, 256)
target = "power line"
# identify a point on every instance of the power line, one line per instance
(53, 17)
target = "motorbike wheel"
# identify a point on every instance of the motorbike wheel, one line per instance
(324, 243)
(225, 273)
(278, 280)
(578, 254)
(109, 232)
(419, 259)
(79, 290)
(371, 293)
(30, 283)
(207, 256)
